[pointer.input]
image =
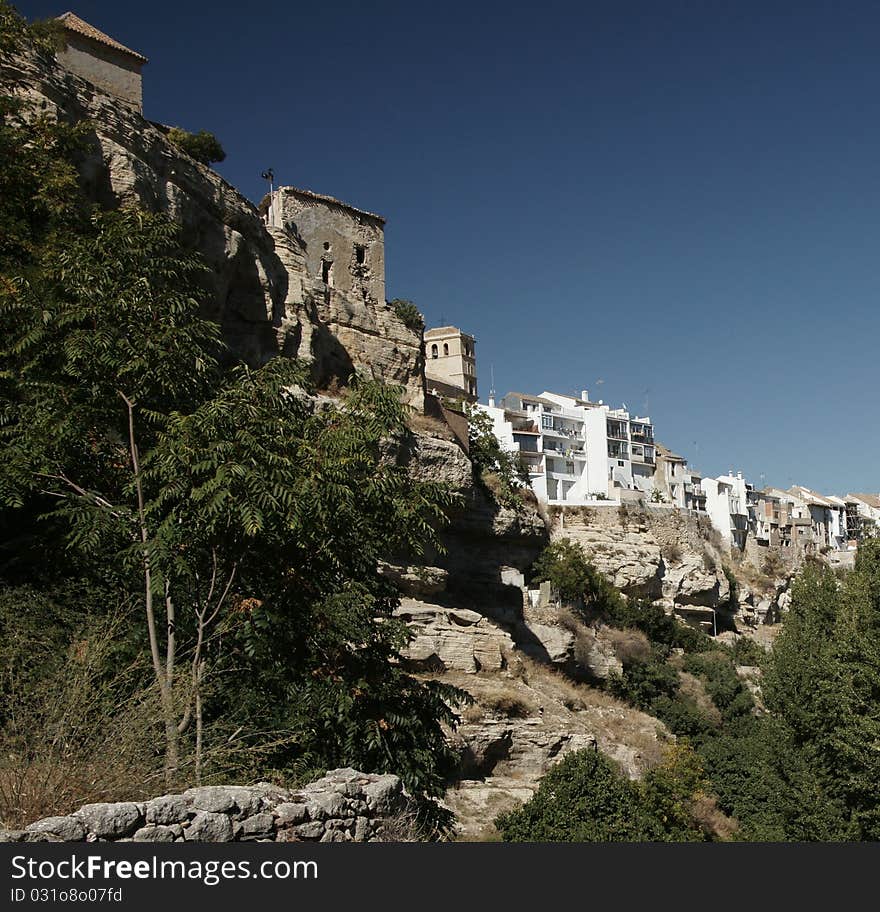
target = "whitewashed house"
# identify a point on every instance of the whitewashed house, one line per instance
(727, 507)
(576, 451)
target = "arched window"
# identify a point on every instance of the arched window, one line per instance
(434, 350)
(445, 349)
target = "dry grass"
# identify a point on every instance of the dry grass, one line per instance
(419, 423)
(630, 645)
(672, 552)
(712, 820)
(509, 703)
(694, 689)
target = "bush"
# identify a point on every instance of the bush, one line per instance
(585, 798)
(408, 314)
(204, 147)
(723, 685)
(574, 579)
(499, 471)
(661, 628)
(672, 552)
(644, 682)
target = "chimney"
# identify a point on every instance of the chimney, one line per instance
(491, 401)
(585, 395)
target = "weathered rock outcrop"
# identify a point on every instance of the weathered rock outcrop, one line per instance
(343, 806)
(663, 555)
(262, 294)
(524, 720)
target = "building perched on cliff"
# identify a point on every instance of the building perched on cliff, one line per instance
(102, 60)
(451, 363)
(344, 247)
(577, 451)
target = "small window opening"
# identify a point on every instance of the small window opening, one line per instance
(360, 254)
(326, 245)
(445, 349)
(434, 351)
(326, 268)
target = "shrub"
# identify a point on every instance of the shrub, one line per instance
(500, 471)
(408, 314)
(723, 685)
(574, 579)
(772, 565)
(630, 645)
(204, 147)
(585, 798)
(642, 682)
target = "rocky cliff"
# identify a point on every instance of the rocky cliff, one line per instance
(475, 620)
(261, 293)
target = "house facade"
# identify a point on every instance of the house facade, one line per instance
(102, 60)
(577, 451)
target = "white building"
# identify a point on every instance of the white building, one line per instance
(577, 451)
(727, 507)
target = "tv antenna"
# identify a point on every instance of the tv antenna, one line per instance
(269, 175)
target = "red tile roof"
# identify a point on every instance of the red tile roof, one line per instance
(72, 22)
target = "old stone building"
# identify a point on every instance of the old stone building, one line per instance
(344, 247)
(102, 60)
(450, 362)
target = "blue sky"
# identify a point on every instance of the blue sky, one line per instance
(679, 199)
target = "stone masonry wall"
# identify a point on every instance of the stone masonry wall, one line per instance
(344, 806)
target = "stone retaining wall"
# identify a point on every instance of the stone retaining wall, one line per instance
(344, 806)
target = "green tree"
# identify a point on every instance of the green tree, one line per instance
(408, 314)
(247, 526)
(498, 469)
(203, 146)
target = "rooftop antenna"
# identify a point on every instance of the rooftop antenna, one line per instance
(269, 175)
(492, 387)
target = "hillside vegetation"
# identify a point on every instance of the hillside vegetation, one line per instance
(188, 570)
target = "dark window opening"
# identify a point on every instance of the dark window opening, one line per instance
(326, 267)
(433, 351)
(360, 254)
(326, 245)
(445, 349)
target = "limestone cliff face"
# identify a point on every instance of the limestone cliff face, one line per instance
(263, 296)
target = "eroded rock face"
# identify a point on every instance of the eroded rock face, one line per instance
(452, 639)
(263, 294)
(523, 723)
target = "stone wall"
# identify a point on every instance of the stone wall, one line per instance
(344, 806)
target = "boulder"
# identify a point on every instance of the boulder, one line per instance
(111, 821)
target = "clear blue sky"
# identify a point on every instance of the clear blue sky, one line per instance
(677, 198)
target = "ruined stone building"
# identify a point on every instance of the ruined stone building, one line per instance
(102, 60)
(344, 247)
(451, 363)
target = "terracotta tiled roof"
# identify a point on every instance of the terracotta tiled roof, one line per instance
(81, 27)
